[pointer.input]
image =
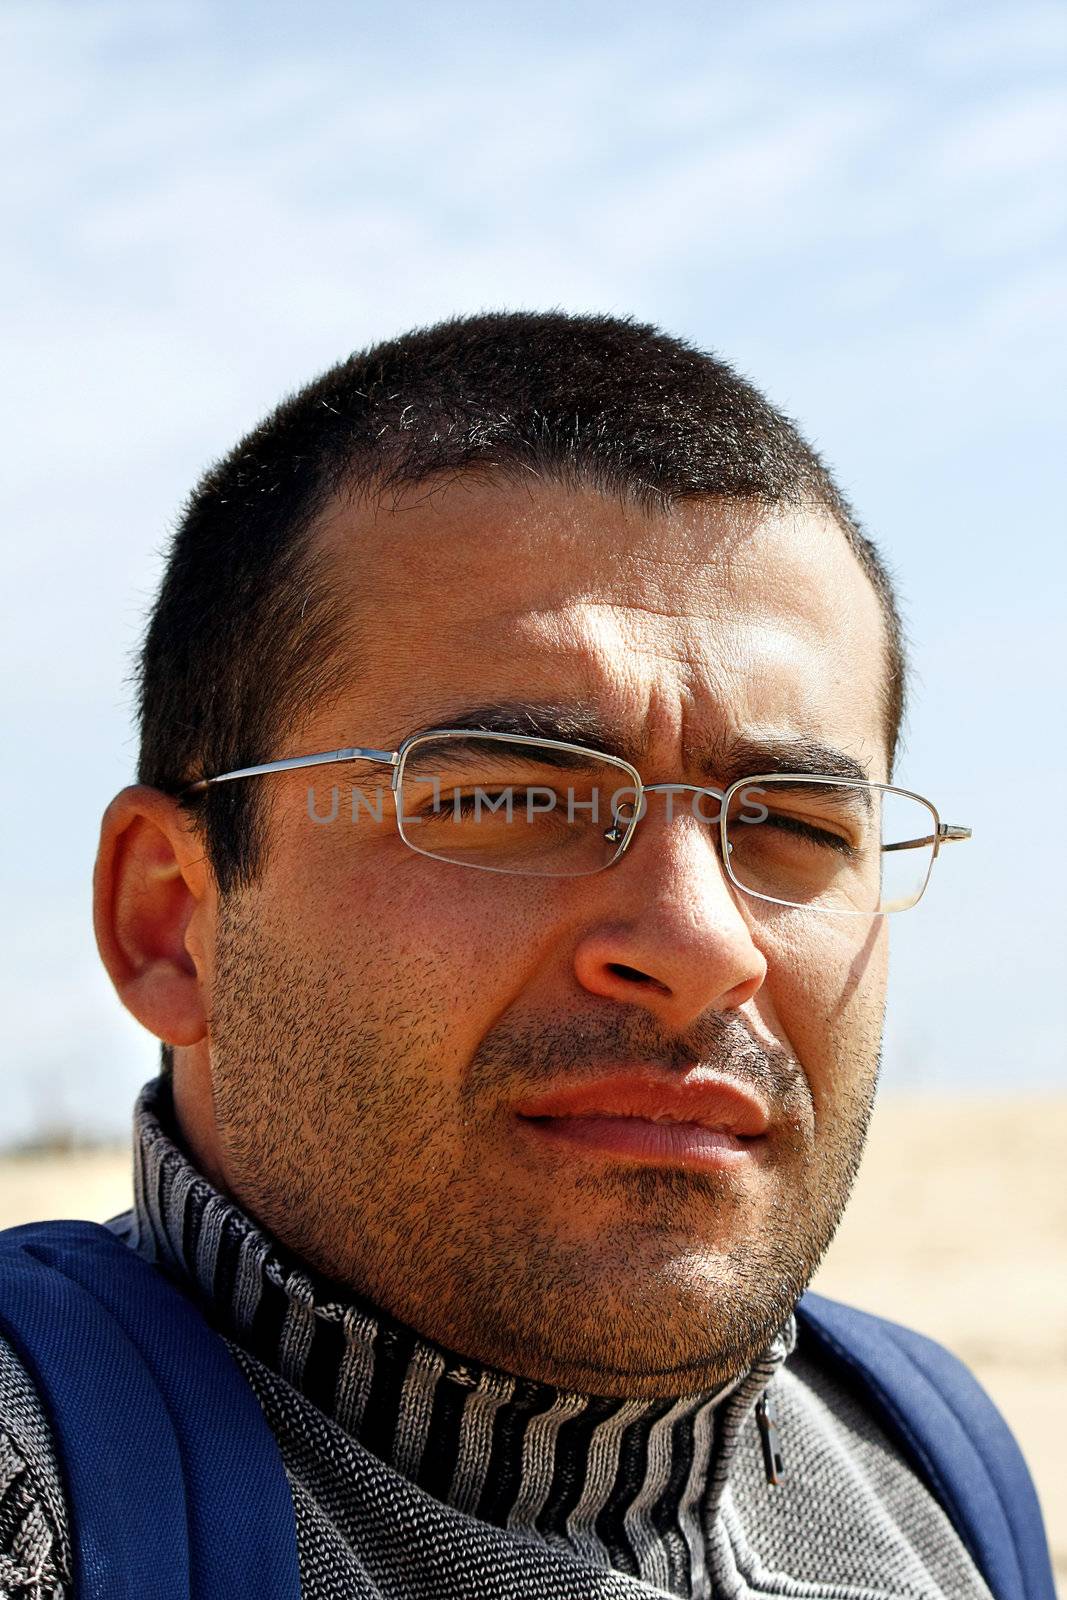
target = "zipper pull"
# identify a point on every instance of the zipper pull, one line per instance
(773, 1463)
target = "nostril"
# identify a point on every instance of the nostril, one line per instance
(635, 975)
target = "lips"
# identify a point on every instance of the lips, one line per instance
(697, 1100)
(697, 1122)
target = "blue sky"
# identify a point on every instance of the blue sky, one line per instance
(860, 206)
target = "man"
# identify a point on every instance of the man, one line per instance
(507, 881)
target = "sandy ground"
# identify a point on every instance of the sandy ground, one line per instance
(957, 1227)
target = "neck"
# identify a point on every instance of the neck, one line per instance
(624, 1482)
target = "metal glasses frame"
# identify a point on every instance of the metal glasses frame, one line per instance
(396, 760)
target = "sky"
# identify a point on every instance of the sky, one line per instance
(860, 206)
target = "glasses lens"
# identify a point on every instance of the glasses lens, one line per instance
(849, 848)
(514, 805)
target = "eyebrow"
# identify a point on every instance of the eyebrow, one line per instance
(576, 723)
(571, 724)
(743, 757)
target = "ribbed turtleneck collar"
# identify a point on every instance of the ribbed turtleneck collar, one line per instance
(627, 1484)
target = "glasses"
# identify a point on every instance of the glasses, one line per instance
(502, 802)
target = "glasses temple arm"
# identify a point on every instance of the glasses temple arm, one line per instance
(291, 764)
(946, 833)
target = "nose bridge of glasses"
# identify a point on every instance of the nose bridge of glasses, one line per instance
(671, 790)
(633, 812)
(682, 788)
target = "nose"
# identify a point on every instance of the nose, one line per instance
(668, 933)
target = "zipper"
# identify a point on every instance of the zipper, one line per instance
(773, 1462)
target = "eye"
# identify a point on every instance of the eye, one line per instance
(804, 830)
(483, 800)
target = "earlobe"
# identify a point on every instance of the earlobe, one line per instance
(152, 898)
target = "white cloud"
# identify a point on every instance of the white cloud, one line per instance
(1024, 134)
(1000, 38)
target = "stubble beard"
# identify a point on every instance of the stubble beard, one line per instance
(327, 1116)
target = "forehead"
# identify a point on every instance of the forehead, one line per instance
(713, 620)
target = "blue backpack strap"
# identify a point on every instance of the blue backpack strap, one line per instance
(951, 1432)
(175, 1483)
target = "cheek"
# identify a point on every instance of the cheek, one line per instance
(827, 982)
(439, 951)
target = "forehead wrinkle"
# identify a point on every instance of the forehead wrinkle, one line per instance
(616, 643)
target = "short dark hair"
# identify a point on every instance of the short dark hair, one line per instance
(245, 636)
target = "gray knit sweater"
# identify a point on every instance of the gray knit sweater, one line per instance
(420, 1475)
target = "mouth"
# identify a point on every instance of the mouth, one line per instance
(697, 1121)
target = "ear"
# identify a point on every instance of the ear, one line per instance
(153, 906)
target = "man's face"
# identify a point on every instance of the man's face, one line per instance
(378, 1018)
